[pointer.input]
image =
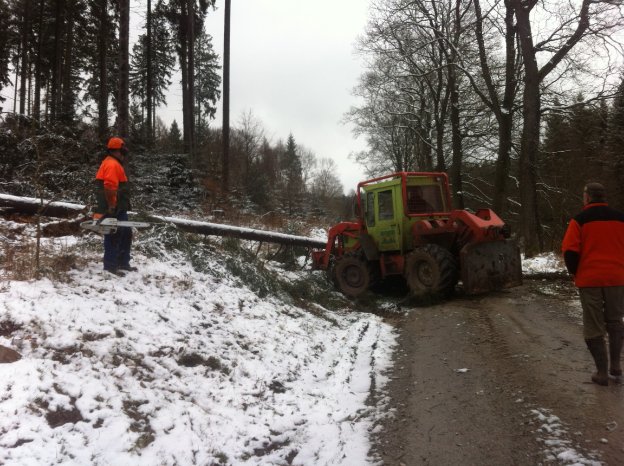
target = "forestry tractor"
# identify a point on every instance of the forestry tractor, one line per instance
(406, 227)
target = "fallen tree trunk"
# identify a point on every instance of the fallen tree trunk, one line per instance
(216, 229)
(33, 206)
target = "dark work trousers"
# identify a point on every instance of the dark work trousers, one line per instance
(117, 246)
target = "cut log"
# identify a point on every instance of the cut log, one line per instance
(215, 229)
(32, 206)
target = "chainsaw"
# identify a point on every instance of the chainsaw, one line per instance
(109, 225)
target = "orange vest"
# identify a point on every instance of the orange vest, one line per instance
(593, 247)
(111, 182)
(111, 172)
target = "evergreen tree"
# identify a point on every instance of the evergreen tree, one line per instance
(175, 137)
(292, 177)
(207, 79)
(162, 66)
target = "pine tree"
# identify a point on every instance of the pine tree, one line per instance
(292, 177)
(207, 79)
(175, 137)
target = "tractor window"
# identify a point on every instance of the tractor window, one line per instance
(386, 206)
(424, 199)
(370, 209)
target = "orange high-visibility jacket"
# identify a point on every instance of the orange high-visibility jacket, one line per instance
(111, 186)
(593, 247)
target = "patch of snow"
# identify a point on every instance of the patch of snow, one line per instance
(169, 365)
(543, 263)
(558, 447)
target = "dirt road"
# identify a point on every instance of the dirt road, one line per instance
(500, 380)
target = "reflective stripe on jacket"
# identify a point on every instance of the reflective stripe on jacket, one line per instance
(593, 247)
(111, 177)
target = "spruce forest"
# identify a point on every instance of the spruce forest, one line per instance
(521, 102)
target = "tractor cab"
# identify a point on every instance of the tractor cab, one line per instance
(390, 205)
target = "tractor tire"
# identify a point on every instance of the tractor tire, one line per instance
(431, 270)
(353, 274)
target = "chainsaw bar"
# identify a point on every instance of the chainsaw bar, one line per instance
(109, 225)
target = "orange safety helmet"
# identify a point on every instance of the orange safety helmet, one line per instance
(115, 144)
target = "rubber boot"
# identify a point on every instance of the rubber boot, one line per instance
(616, 338)
(598, 350)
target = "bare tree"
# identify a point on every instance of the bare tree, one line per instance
(573, 27)
(500, 88)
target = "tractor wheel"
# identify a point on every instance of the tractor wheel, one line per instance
(431, 270)
(352, 273)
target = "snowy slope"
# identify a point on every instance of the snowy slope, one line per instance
(181, 364)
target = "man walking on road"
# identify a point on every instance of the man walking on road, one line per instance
(113, 201)
(593, 250)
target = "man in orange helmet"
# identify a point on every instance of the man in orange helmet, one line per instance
(113, 200)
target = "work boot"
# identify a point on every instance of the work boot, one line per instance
(115, 271)
(616, 338)
(598, 350)
(128, 268)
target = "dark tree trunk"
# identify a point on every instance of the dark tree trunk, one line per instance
(225, 159)
(456, 138)
(503, 163)
(191, 76)
(533, 76)
(505, 115)
(25, 68)
(54, 94)
(149, 84)
(529, 145)
(102, 47)
(456, 135)
(67, 94)
(124, 68)
(185, 102)
(38, 71)
(17, 74)
(184, 69)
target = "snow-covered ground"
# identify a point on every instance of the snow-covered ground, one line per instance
(184, 362)
(180, 364)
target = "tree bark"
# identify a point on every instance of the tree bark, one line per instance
(38, 71)
(230, 231)
(31, 205)
(529, 147)
(124, 68)
(25, 68)
(149, 78)
(186, 124)
(67, 94)
(54, 94)
(191, 76)
(225, 157)
(102, 46)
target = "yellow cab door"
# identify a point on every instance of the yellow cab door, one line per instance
(382, 219)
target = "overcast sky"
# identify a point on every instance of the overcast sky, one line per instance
(293, 64)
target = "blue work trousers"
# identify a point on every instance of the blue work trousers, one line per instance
(117, 246)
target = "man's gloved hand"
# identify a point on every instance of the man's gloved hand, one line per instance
(99, 217)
